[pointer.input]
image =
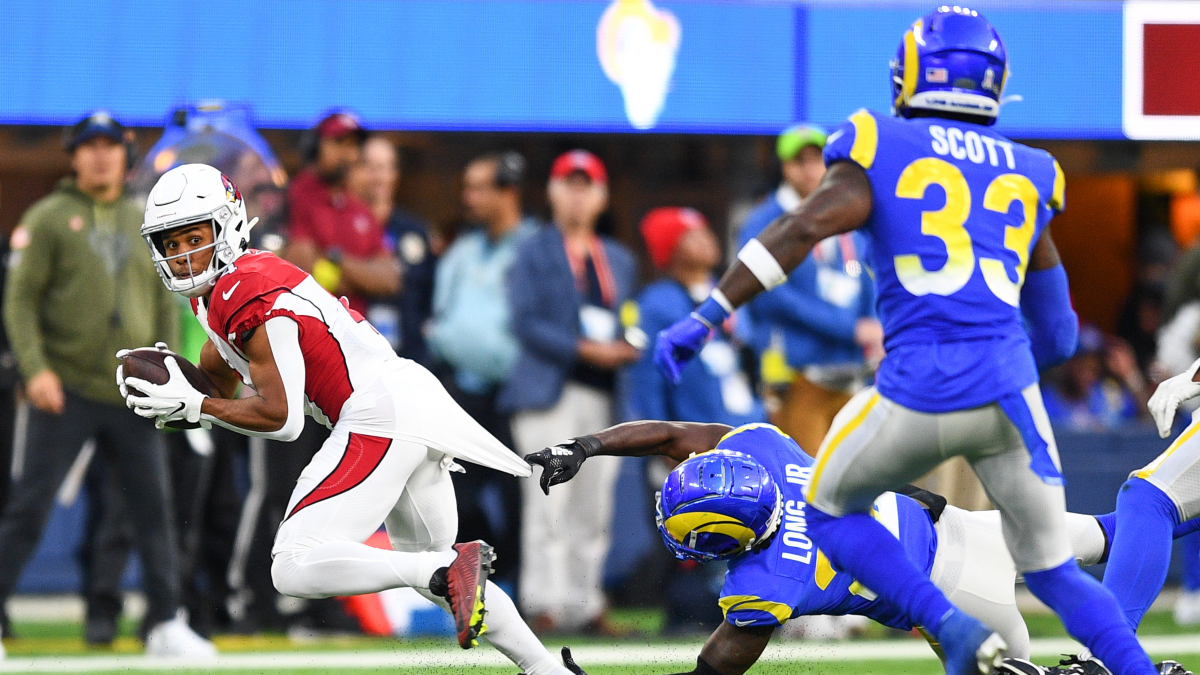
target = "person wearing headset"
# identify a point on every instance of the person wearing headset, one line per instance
(469, 333)
(79, 288)
(332, 234)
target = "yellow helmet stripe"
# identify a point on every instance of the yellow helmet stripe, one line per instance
(682, 525)
(910, 62)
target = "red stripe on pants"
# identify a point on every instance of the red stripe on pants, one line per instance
(362, 455)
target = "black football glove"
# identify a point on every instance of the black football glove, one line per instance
(569, 663)
(560, 463)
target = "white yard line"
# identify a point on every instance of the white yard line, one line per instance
(648, 655)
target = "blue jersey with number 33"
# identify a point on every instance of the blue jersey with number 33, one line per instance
(957, 210)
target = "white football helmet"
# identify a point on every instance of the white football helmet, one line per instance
(190, 194)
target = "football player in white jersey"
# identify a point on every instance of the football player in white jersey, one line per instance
(395, 430)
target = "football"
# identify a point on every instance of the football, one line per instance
(149, 364)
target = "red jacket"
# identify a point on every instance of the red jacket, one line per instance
(332, 220)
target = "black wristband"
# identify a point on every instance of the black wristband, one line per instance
(590, 445)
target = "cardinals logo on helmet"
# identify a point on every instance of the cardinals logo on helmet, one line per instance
(231, 192)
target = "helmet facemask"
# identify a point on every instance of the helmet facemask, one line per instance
(199, 282)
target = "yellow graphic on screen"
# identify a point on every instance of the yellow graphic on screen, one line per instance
(637, 43)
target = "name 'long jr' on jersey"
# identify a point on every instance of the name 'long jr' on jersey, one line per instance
(791, 577)
(957, 211)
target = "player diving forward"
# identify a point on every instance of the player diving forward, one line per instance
(395, 430)
(744, 502)
(958, 216)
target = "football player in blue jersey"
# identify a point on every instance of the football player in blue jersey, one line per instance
(958, 220)
(1156, 503)
(738, 495)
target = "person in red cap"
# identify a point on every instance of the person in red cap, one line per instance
(332, 234)
(713, 387)
(566, 288)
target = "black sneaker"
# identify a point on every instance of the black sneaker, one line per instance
(1012, 666)
(1172, 668)
(1082, 664)
(100, 631)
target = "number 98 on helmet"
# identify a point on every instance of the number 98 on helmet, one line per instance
(716, 505)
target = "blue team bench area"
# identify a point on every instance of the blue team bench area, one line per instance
(1095, 465)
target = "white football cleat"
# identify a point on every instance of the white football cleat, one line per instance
(1187, 608)
(176, 639)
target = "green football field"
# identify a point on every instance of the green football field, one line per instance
(58, 648)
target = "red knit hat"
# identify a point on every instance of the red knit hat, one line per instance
(662, 229)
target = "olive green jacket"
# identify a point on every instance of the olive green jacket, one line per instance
(81, 286)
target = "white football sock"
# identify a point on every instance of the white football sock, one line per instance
(1087, 538)
(507, 632)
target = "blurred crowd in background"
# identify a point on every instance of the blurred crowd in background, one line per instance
(539, 325)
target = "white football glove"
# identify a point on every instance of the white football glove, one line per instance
(170, 402)
(121, 380)
(1169, 395)
(160, 346)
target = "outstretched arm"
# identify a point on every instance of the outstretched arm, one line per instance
(677, 440)
(731, 650)
(842, 203)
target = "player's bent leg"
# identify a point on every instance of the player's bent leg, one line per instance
(341, 498)
(426, 518)
(1150, 506)
(1141, 550)
(1035, 531)
(875, 445)
(973, 568)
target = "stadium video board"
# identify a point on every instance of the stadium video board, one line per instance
(668, 66)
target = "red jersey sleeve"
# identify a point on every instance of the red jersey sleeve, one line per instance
(242, 299)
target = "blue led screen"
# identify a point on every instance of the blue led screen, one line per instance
(691, 66)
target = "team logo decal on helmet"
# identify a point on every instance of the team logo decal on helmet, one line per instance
(950, 61)
(231, 192)
(716, 505)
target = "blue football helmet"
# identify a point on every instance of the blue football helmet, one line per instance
(950, 61)
(716, 505)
